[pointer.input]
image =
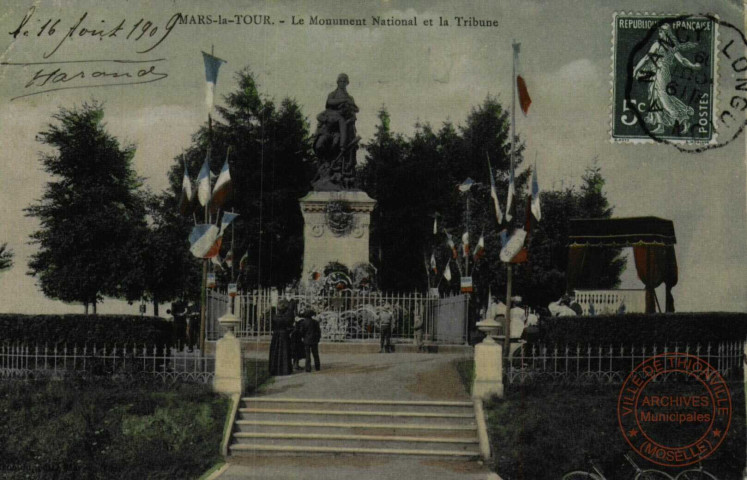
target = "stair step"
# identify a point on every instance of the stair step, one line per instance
(359, 405)
(289, 411)
(376, 438)
(424, 403)
(359, 441)
(253, 448)
(359, 428)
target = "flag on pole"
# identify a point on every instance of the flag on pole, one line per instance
(465, 243)
(511, 193)
(452, 246)
(447, 272)
(204, 241)
(228, 217)
(244, 260)
(433, 263)
(203, 182)
(510, 253)
(494, 193)
(229, 257)
(217, 261)
(536, 195)
(521, 86)
(435, 223)
(222, 188)
(186, 198)
(212, 65)
(480, 249)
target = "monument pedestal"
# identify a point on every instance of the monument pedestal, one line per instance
(488, 369)
(336, 229)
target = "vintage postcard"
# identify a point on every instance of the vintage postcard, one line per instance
(510, 238)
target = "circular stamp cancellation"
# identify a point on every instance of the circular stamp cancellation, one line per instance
(674, 409)
(679, 80)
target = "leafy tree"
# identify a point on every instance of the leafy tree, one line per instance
(89, 213)
(269, 146)
(6, 257)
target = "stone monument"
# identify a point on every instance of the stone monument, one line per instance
(336, 214)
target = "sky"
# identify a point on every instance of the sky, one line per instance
(420, 73)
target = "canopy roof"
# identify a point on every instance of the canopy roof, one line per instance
(621, 232)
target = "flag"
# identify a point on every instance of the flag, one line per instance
(229, 258)
(521, 86)
(203, 182)
(212, 65)
(204, 241)
(217, 261)
(433, 263)
(494, 193)
(186, 198)
(480, 249)
(514, 250)
(435, 224)
(511, 193)
(244, 260)
(465, 243)
(452, 246)
(228, 217)
(222, 188)
(447, 272)
(535, 195)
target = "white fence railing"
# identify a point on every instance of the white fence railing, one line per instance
(602, 302)
(607, 364)
(351, 316)
(167, 364)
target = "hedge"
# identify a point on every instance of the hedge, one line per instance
(85, 330)
(644, 329)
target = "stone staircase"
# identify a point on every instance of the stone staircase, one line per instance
(288, 426)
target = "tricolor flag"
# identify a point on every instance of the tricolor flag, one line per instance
(536, 195)
(187, 195)
(521, 86)
(465, 243)
(244, 260)
(511, 193)
(480, 249)
(204, 241)
(447, 272)
(514, 250)
(228, 217)
(229, 258)
(212, 65)
(452, 246)
(217, 261)
(494, 193)
(435, 224)
(433, 263)
(222, 188)
(203, 182)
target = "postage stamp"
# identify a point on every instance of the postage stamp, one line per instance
(664, 78)
(674, 409)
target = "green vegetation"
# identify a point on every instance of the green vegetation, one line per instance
(466, 370)
(97, 428)
(544, 433)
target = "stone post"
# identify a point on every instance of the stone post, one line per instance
(488, 369)
(229, 363)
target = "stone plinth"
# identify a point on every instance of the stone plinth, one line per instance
(228, 360)
(336, 229)
(488, 369)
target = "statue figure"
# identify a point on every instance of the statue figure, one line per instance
(335, 140)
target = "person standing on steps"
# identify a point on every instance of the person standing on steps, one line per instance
(385, 325)
(311, 334)
(281, 362)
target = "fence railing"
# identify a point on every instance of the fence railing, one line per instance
(607, 364)
(600, 302)
(351, 316)
(167, 364)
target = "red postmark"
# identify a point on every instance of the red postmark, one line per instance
(674, 409)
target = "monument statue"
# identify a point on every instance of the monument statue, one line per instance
(336, 141)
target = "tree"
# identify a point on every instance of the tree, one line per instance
(6, 257)
(90, 212)
(269, 148)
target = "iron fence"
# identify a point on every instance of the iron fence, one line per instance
(346, 316)
(540, 364)
(166, 364)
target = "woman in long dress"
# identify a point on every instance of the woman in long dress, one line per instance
(280, 347)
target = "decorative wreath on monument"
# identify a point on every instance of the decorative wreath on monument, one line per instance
(339, 217)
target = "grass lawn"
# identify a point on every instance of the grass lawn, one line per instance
(541, 433)
(98, 428)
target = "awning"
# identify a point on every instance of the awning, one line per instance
(621, 232)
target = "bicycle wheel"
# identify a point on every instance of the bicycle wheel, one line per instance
(579, 475)
(695, 474)
(652, 475)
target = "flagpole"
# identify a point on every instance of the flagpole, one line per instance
(509, 266)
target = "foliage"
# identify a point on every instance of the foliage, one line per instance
(542, 433)
(644, 329)
(6, 257)
(83, 330)
(96, 428)
(89, 211)
(269, 145)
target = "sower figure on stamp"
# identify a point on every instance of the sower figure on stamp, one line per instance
(385, 325)
(311, 334)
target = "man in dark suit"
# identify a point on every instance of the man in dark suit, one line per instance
(311, 333)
